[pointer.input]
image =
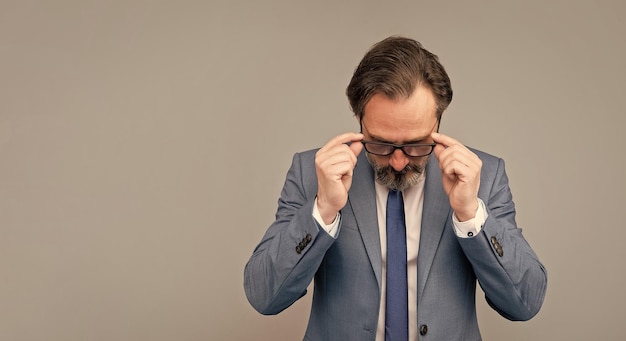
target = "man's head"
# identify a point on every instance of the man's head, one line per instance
(398, 93)
(394, 67)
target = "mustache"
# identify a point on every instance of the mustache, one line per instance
(398, 180)
(410, 168)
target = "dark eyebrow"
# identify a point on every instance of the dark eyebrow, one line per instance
(415, 141)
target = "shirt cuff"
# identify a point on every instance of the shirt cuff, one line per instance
(472, 227)
(332, 228)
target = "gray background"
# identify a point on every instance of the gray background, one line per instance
(143, 146)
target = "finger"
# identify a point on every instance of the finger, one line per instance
(339, 171)
(463, 170)
(343, 138)
(460, 169)
(459, 153)
(439, 149)
(445, 140)
(356, 147)
(341, 154)
(448, 145)
(456, 168)
(351, 149)
(345, 156)
(452, 154)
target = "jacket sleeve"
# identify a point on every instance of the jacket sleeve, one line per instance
(508, 270)
(285, 261)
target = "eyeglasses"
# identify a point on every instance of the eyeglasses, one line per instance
(386, 149)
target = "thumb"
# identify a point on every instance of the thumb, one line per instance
(356, 147)
(439, 148)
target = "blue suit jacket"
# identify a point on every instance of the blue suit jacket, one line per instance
(347, 270)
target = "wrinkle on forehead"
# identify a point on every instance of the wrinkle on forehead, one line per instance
(404, 119)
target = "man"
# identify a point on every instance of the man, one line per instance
(397, 223)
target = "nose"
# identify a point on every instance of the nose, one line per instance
(398, 160)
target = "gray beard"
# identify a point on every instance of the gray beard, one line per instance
(394, 180)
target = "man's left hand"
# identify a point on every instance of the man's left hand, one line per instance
(460, 173)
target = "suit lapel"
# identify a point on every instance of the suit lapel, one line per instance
(362, 200)
(434, 215)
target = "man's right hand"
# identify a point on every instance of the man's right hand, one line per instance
(334, 164)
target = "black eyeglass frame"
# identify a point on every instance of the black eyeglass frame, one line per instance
(399, 146)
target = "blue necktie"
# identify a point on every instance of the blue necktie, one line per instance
(397, 311)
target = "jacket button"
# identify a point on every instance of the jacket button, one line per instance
(494, 241)
(497, 246)
(308, 237)
(298, 249)
(423, 329)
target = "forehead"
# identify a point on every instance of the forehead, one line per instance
(401, 119)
